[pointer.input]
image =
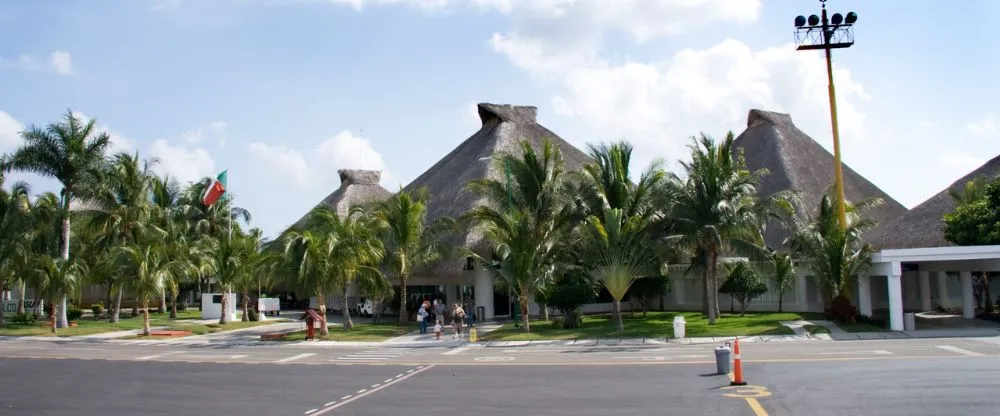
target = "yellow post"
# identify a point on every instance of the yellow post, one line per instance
(838, 168)
(472, 334)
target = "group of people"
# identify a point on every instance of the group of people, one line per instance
(426, 314)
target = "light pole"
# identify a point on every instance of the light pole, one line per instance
(819, 32)
(510, 204)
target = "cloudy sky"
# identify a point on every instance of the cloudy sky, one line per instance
(285, 92)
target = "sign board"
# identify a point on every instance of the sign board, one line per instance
(10, 306)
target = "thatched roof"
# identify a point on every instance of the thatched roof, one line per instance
(923, 225)
(796, 161)
(503, 128)
(357, 187)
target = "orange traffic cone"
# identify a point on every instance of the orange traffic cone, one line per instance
(737, 366)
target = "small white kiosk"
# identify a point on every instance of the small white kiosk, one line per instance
(211, 306)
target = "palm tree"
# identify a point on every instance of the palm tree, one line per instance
(782, 270)
(71, 151)
(622, 251)
(835, 256)
(150, 268)
(231, 259)
(14, 221)
(523, 219)
(716, 209)
(306, 257)
(409, 243)
(57, 279)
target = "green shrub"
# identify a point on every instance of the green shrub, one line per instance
(97, 309)
(73, 313)
(253, 315)
(841, 310)
(23, 318)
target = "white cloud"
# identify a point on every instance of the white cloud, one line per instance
(985, 126)
(318, 168)
(216, 130)
(116, 143)
(10, 130)
(660, 105)
(62, 62)
(184, 162)
(962, 162)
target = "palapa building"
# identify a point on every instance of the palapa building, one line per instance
(911, 242)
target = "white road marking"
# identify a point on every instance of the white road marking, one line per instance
(330, 403)
(494, 359)
(376, 385)
(310, 411)
(454, 351)
(231, 357)
(151, 357)
(362, 391)
(358, 358)
(295, 357)
(960, 350)
(408, 372)
(411, 374)
(387, 380)
(346, 397)
(876, 352)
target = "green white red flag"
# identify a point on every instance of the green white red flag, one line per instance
(215, 189)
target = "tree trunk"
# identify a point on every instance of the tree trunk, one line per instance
(64, 252)
(52, 316)
(705, 290)
(135, 308)
(545, 312)
(20, 301)
(781, 296)
(246, 306)
(321, 300)
(173, 300)
(744, 303)
(107, 299)
(199, 294)
(404, 314)
(145, 315)
(713, 298)
(524, 310)
(224, 318)
(348, 324)
(162, 307)
(619, 326)
(116, 308)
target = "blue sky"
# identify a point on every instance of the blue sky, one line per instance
(285, 92)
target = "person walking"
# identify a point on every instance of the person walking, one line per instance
(422, 316)
(458, 319)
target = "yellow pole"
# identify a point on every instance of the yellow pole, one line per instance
(838, 165)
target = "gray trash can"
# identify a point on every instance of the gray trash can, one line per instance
(723, 359)
(909, 321)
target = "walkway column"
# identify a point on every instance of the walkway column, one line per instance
(865, 295)
(925, 290)
(895, 301)
(968, 299)
(484, 293)
(942, 289)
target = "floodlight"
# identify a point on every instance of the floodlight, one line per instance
(813, 20)
(800, 21)
(851, 18)
(837, 18)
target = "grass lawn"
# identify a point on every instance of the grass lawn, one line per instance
(88, 325)
(360, 332)
(202, 329)
(816, 329)
(655, 325)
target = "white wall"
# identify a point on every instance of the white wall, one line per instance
(211, 310)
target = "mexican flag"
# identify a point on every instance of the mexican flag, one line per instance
(215, 189)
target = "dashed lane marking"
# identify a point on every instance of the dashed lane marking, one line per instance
(455, 351)
(348, 399)
(155, 356)
(960, 350)
(294, 358)
(310, 411)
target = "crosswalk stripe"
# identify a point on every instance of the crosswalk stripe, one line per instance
(959, 350)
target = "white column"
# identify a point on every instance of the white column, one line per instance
(865, 295)
(925, 290)
(801, 292)
(895, 302)
(942, 289)
(484, 293)
(968, 299)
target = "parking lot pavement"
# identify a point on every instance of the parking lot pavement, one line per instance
(84, 388)
(932, 387)
(533, 390)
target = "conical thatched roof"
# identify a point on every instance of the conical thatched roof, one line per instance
(796, 161)
(357, 187)
(503, 128)
(923, 226)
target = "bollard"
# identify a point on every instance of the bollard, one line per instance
(722, 356)
(472, 334)
(737, 366)
(679, 325)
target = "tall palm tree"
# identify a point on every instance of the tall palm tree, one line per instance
(835, 256)
(409, 242)
(716, 209)
(231, 258)
(14, 221)
(71, 151)
(524, 218)
(148, 265)
(306, 258)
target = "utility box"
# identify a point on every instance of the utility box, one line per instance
(679, 327)
(269, 306)
(211, 306)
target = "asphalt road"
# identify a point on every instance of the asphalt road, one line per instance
(930, 386)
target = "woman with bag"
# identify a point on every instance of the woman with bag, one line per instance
(458, 318)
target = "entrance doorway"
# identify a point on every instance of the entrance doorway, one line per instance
(501, 304)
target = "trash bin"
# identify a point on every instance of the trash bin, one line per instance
(679, 325)
(723, 358)
(480, 314)
(909, 321)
